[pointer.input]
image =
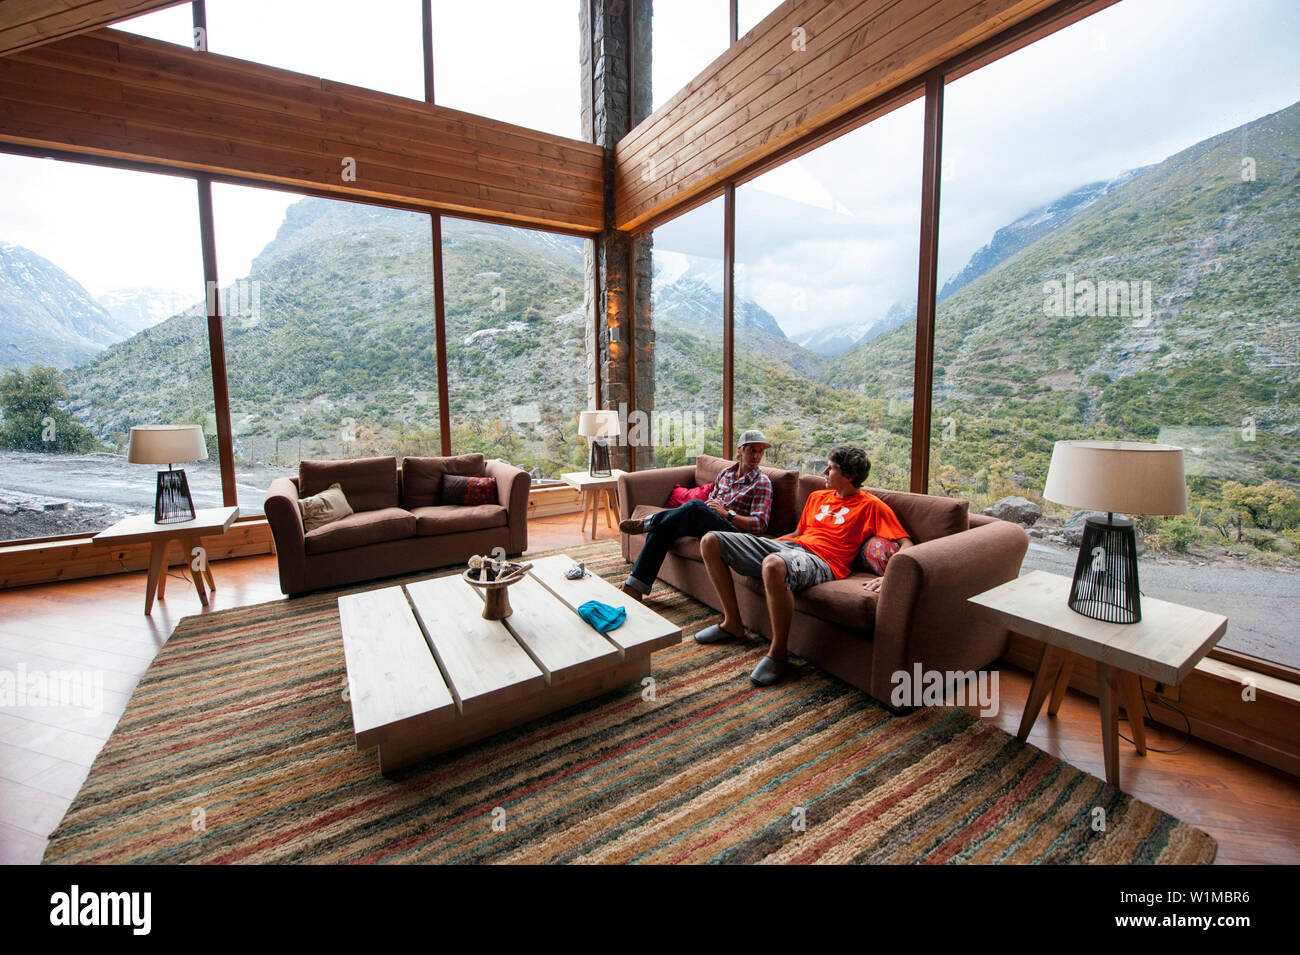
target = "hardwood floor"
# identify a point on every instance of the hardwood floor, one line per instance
(98, 626)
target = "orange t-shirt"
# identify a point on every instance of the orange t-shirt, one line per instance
(834, 527)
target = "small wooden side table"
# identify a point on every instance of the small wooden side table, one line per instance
(1163, 646)
(141, 527)
(594, 490)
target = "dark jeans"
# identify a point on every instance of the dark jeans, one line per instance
(692, 519)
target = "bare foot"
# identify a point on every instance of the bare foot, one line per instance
(634, 594)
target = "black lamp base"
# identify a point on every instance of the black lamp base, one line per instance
(173, 505)
(599, 459)
(1105, 585)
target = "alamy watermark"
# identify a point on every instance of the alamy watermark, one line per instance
(1084, 297)
(24, 687)
(921, 687)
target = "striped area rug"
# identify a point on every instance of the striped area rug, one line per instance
(237, 747)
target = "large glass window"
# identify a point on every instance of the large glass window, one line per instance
(328, 313)
(378, 45)
(1119, 238)
(825, 328)
(686, 308)
(749, 13)
(512, 60)
(173, 24)
(687, 36)
(101, 328)
(516, 367)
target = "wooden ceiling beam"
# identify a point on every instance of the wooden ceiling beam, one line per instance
(26, 24)
(115, 95)
(808, 65)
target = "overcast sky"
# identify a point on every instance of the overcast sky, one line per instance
(828, 239)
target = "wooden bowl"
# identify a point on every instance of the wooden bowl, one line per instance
(496, 599)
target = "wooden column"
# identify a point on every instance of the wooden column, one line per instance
(923, 372)
(216, 343)
(728, 315)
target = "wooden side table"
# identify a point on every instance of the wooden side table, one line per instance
(1163, 646)
(594, 491)
(141, 527)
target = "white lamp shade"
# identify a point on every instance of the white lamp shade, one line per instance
(1122, 477)
(598, 424)
(167, 444)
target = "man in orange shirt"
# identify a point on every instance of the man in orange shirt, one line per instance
(832, 529)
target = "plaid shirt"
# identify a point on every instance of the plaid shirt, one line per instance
(750, 495)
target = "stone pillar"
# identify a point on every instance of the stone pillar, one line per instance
(620, 338)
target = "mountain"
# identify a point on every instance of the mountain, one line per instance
(837, 339)
(135, 309)
(1207, 344)
(1031, 227)
(46, 317)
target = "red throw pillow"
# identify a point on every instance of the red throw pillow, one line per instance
(462, 489)
(681, 494)
(876, 553)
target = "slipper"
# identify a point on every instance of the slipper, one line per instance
(768, 671)
(714, 634)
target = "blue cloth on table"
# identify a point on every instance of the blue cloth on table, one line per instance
(602, 616)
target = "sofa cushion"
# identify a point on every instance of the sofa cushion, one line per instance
(422, 477)
(681, 494)
(785, 486)
(368, 483)
(843, 601)
(324, 508)
(360, 529)
(927, 517)
(451, 519)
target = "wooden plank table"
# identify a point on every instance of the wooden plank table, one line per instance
(141, 527)
(595, 491)
(427, 674)
(1164, 646)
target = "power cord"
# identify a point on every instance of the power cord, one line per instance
(1187, 730)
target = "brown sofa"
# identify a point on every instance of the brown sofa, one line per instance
(863, 638)
(400, 524)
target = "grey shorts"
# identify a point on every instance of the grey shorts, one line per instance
(744, 553)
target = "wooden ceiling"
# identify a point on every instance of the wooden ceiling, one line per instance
(28, 23)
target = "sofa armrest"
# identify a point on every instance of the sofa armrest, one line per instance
(923, 615)
(282, 514)
(648, 487)
(513, 485)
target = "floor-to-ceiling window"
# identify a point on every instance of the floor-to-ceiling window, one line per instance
(1119, 233)
(516, 368)
(102, 327)
(825, 313)
(686, 307)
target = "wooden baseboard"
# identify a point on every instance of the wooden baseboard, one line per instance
(1250, 713)
(71, 558)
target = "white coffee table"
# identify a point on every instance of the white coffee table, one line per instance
(426, 672)
(1164, 646)
(595, 490)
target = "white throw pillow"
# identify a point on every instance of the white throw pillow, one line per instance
(324, 508)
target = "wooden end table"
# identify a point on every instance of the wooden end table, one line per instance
(1164, 646)
(141, 527)
(594, 489)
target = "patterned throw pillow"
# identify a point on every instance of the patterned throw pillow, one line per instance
(461, 489)
(324, 508)
(876, 552)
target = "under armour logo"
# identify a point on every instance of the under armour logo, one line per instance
(826, 512)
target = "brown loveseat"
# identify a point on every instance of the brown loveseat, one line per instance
(920, 615)
(400, 524)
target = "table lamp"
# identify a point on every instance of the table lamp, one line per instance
(599, 427)
(169, 444)
(1115, 477)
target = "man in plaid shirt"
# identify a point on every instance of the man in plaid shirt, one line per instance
(741, 500)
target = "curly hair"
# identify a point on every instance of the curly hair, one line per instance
(852, 462)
